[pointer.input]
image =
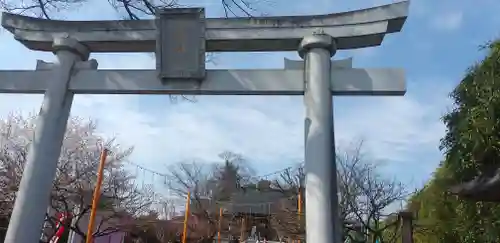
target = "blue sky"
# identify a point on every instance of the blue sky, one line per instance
(438, 43)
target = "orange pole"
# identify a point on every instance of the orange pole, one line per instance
(97, 194)
(186, 216)
(299, 210)
(220, 225)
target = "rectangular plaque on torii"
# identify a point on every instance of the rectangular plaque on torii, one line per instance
(180, 45)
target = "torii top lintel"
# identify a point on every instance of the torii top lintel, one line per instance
(354, 29)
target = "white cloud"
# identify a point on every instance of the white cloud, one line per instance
(448, 21)
(266, 129)
(269, 130)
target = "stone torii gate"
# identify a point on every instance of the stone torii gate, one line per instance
(180, 38)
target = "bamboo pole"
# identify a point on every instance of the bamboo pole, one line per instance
(299, 211)
(96, 196)
(186, 216)
(220, 226)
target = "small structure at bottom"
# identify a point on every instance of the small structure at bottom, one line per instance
(406, 226)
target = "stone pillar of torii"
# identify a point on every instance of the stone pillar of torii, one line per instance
(180, 38)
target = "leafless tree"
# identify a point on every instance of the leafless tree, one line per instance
(365, 197)
(287, 220)
(194, 178)
(76, 175)
(130, 9)
(232, 174)
(209, 184)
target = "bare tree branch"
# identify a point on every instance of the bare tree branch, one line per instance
(130, 9)
(76, 175)
(365, 196)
